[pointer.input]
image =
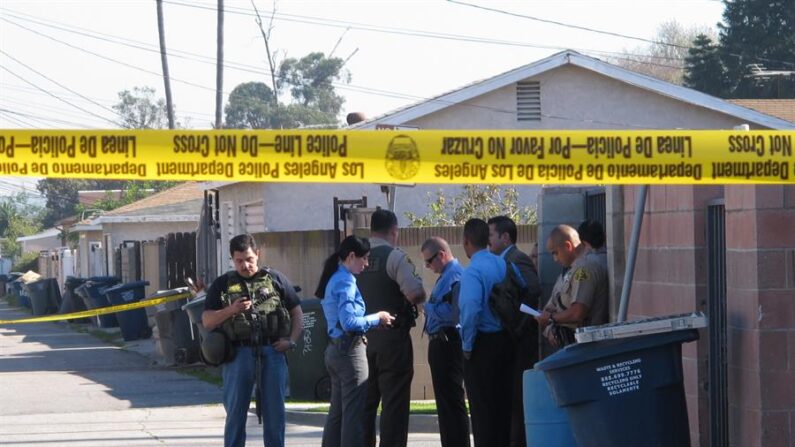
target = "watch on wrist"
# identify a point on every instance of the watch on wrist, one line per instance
(292, 344)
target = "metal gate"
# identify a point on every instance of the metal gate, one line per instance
(596, 206)
(180, 259)
(718, 358)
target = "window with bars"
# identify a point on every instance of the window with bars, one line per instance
(528, 101)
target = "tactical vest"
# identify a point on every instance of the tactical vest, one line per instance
(380, 292)
(268, 309)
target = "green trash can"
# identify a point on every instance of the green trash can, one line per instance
(309, 379)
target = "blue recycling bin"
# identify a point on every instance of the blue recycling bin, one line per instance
(133, 323)
(626, 391)
(94, 299)
(545, 424)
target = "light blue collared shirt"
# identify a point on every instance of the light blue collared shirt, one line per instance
(441, 314)
(343, 305)
(485, 270)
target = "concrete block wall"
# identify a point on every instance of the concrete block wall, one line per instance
(760, 263)
(671, 275)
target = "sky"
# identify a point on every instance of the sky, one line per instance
(63, 63)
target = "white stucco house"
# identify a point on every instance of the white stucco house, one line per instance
(45, 240)
(174, 210)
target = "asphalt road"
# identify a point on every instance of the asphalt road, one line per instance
(59, 387)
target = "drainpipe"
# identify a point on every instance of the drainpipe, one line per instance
(640, 205)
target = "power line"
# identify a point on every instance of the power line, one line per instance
(567, 25)
(55, 120)
(610, 33)
(398, 31)
(54, 95)
(39, 33)
(58, 83)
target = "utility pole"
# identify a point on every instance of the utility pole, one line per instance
(219, 72)
(164, 61)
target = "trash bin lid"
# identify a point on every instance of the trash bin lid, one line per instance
(198, 301)
(170, 292)
(125, 287)
(585, 352)
(104, 279)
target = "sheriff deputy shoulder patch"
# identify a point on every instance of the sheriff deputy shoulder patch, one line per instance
(581, 274)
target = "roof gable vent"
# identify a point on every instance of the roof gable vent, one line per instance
(528, 101)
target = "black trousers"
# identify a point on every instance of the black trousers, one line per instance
(390, 358)
(526, 355)
(447, 374)
(488, 376)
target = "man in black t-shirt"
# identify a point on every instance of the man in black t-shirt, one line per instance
(258, 310)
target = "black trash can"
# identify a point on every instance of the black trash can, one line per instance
(70, 301)
(93, 298)
(309, 379)
(3, 281)
(177, 341)
(194, 310)
(626, 391)
(45, 298)
(133, 323)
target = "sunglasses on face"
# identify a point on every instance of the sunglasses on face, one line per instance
(430, 260)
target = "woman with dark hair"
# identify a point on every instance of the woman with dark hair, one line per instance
(346, 355)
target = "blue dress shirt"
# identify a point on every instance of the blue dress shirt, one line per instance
(343, 305)
(441, 314)
(485, 270)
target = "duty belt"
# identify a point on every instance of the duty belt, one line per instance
(445, 334)
(249, 343)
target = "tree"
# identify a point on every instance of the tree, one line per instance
(250, 107)
(140, 109)
(310, 81)
(663, 59)
(314, 101)
(17, 218)
(483, 201)
(703, 68)
(758, 32)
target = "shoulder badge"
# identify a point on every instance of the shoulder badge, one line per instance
(402, 158)
(581, 274)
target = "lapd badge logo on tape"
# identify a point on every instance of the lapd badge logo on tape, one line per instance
(402, 158)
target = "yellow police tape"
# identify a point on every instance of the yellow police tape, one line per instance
(99, 311)
(392, 156)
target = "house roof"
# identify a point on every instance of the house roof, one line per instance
(781, 108)
(181, 203)
(570, 57)
(48, 233)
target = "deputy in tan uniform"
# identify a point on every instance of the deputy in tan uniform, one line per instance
(390, 283)
(580, 295)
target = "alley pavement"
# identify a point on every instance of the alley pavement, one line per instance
(59, 387)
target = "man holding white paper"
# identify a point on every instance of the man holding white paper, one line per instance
(502, 242)
(580, 295)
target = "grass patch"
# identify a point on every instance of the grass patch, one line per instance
(204, 373)
(414, 408)
(113, 338)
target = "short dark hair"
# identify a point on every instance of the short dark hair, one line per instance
(504, 224)
(382, 221)
(592, 232)
(241, 243)
(476, 231)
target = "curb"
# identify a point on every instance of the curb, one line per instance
(418, 423)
